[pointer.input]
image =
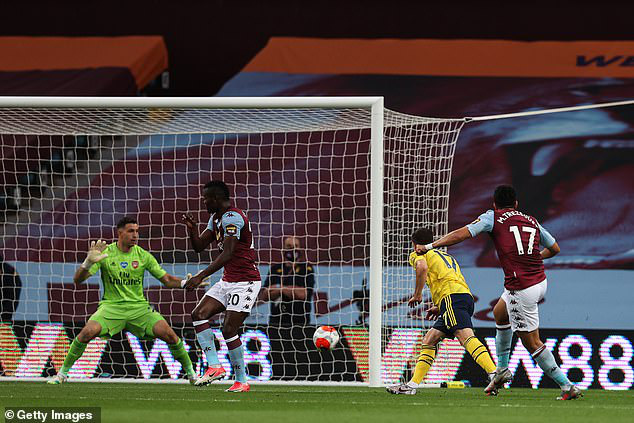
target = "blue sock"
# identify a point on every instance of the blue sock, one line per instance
(236, 356)
(546, 361)
(206, 341)
(503, 339)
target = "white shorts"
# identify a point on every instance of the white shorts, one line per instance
(235, 296)
(522, 306)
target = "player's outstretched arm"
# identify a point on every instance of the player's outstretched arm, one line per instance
(95, 255)
(171, 281)
(452, 238)
(229, 246)
(199, 242)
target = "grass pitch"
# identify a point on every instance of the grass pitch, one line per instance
(127, 402)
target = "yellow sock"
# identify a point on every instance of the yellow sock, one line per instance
(480, 354)
(425, 360)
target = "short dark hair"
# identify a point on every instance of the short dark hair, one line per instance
(423, 236)
(125, 221)
(219, 188)
(505, 196)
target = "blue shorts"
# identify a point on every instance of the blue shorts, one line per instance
(455, 313)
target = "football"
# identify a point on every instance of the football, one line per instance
(326, 337)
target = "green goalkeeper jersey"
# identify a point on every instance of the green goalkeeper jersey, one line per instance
(122, 274)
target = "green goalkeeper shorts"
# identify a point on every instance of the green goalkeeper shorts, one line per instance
(136, 318)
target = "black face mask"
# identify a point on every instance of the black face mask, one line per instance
(291, 255)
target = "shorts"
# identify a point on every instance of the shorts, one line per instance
(522, 306)
(235, 296)
(138, 319)
(455, 313)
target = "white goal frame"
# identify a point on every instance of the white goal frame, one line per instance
(372, 103)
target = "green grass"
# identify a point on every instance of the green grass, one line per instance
(126, 402)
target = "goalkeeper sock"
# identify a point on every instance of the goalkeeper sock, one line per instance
(425, 360)
(236, 356)
(205, 337)
(480, 354)
(503, 340)
(546, 361)
(76, 350)
(180, 353)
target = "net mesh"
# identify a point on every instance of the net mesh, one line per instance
(71, 174)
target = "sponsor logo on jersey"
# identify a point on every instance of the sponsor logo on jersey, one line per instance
(124, 264)
(135, 264)
(231, 229)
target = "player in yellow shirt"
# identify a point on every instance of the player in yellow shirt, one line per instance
(453, 308)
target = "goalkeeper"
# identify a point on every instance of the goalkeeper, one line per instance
(124, 306)
(453, 307)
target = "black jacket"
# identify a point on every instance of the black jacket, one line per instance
(286, 311)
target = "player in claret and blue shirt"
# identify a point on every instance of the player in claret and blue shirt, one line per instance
(238, 289)
(517, 237)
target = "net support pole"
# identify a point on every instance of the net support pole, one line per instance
(376, 243)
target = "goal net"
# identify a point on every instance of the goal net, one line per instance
(302, 169)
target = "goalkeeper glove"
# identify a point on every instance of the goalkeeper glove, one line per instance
(189, 276)
(95, 254)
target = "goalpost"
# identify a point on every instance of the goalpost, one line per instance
(348, 177)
